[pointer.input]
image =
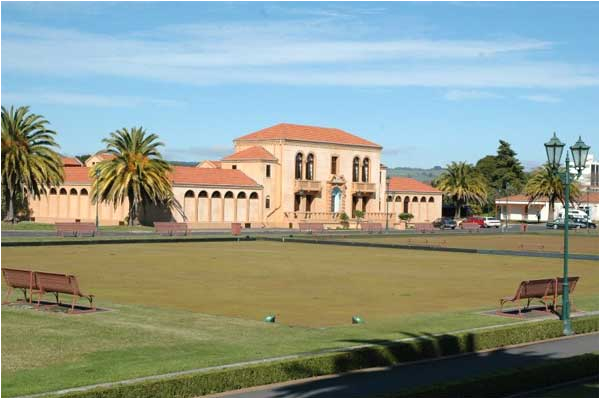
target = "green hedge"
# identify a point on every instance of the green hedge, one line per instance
(513, 381)
(384, 355)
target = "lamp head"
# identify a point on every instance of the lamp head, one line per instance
(579, 151)
(554, 149)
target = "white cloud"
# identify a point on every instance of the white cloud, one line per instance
(542, 98)
(458, 95)
(302, 53)
(82, 99)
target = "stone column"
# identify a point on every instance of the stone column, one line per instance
(196, 203)
(247, 208)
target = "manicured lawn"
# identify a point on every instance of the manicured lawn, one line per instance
(579, 242)
(29, 226)
(190, 305)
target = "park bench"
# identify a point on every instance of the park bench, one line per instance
(542, 290)
(426, 242)
(236, 229)
(171, 228)
(19, 279)
(424, 228)
(75, 229)
(470, 227)
(371, 227)
(53, 283)
(559, 289)
(311, 227)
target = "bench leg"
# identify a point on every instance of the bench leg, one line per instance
(39, 300)
(8, 292)
(92, 304)
(73, 303)
(57, 298)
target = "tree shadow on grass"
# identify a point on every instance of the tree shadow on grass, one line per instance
(392, 374)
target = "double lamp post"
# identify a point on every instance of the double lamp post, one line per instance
(579, 152)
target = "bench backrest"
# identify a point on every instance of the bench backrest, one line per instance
(75, 226)
(423, 226)
(371, 227)
(537, 288)
(470, 226)
(170, 226)
(312, 227)
(572, 283)
(19, 278)
(54, 282)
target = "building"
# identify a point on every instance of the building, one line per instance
(518, 208)
(276, 177)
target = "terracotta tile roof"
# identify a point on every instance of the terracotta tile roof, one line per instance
(252, 153)
(409, 184)
(209, 164)
(210, 177)
(583, 198)
(520, 198)
(78, 175)
(71, 161)
(288, 131)
(105, 156)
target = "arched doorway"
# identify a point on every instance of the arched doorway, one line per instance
(336, 200)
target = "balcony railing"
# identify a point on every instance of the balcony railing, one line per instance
(307, 185)
(363, 187)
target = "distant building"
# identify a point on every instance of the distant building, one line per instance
(517, 208)
(276, 177)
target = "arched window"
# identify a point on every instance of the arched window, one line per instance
(431, 199)
(355, 169)
(62, 191)
(268, 202)
(405, 208)
(189, 194)
(73, 192)
(389, 198)
(241, 195)
(398, 199)
(299, 166)
(423, 199)
(310, 164)
(415, 199)
(216, 194)
(365, 170)
(253, 196)
(228, 194)
(202, 194)
(83, 192)
(53, 191)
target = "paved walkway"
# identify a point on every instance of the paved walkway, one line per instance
(381, 381)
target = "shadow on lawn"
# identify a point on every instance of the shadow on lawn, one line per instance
(390, 379)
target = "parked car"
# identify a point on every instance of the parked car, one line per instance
(585, 221)
(573, 213)
(489, 221)
(560, 224)
(444, 223)
(475, 219)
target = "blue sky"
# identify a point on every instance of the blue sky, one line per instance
(431, 82)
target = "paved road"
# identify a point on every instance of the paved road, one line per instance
(381, 381)
(50, 233)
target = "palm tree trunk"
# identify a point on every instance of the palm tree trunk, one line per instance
(132, 210)
(457, 210)
(10, 214)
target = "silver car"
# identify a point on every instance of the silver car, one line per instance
(489, 221)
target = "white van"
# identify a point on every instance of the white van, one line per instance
(573, 213)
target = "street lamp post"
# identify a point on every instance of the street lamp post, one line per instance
(554, 149)
(387, 203)
(97, 199)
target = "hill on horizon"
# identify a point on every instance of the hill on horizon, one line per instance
(420, 174)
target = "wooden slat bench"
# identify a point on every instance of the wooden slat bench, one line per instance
(75, 229)
(311, 227)
(19, 279)
(236, 229)
(542, 289)
(171, 228)
(53, 283)
(424, 228)
(529, 247)
(371, 227)
(470, 227)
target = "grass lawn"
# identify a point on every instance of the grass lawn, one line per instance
(587, 389)
(30, 226)
(579, 242)
(188, 305)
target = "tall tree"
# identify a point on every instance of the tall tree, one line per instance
(137, 173)
(29, 157)
(464, 184)
(546, 183)
(508, 171)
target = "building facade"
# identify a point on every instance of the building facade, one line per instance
(276, 177)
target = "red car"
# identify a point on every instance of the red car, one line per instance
(475, 219)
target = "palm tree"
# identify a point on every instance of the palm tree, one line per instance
(137, 172)
(546, 183)
(463, 183)
(29, 160)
